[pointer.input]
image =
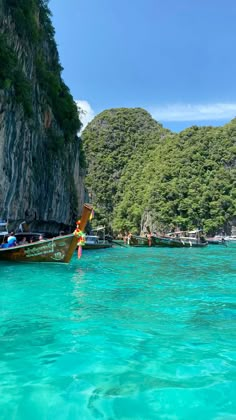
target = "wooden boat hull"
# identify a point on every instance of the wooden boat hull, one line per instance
(59, 249)
(140, 241)
(166, 241)
(97, 246)
(213, 241)
(230, 242)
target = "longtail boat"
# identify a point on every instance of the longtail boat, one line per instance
(230, 240)
(58, 249)
(135, 240)
(216, 240)
(94, 242)
(98, 239)
(178, 240)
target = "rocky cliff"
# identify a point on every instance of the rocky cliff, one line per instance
(41, 180)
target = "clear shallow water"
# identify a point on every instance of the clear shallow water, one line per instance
(121, 334)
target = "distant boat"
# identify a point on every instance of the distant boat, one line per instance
(140, 241)
(97, 239)
(216, 240)
(181, 239)
(58, 249)
(230, 240)
(94, 242)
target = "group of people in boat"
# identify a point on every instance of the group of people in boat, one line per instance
(177, 237)
(127, 238)
(11, 240)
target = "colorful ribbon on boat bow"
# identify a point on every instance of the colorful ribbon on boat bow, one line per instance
(79, 234)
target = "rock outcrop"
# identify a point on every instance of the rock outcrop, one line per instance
(41, 180)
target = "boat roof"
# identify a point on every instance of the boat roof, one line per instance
(29, 233)
(185, 231)
(98, 228)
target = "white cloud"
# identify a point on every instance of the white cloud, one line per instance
(198, 112)
(86, 113)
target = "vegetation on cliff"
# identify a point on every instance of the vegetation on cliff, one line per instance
(30, 20)
(12, 75)
(110, 142)
(136, 167)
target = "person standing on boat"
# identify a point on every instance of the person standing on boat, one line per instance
(149, 236)
(20, 228)
(129, 238)
(11, 240)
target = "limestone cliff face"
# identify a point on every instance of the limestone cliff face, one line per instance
(40, 176)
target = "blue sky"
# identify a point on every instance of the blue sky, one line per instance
(175, 58)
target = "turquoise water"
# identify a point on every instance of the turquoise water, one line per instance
(121, 334)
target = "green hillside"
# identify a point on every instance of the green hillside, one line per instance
(138, 170)
(110, 142)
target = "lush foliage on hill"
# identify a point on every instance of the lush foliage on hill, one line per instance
(11, 74)
(32, 23)
(186, 180)
(110, 141)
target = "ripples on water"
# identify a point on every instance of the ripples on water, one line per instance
(121, 334)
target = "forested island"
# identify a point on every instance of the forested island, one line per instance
(140, 174)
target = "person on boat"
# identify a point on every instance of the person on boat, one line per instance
(4, 244)
(129, 238)
(41, 238)
(149, 237)
(24, 241)
(21, 228)
(11, 240)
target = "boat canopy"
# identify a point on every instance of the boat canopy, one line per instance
(3, 227)
(92, 239)
(98, 228)
(184, 231)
